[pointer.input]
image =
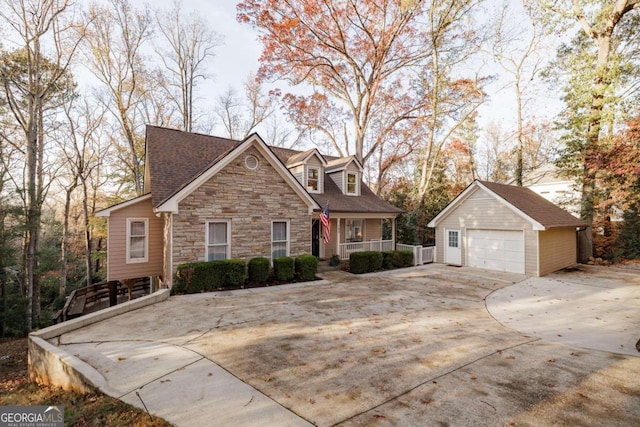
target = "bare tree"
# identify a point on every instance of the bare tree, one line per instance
(191, 43)
(34, 82)
(83, 152)
(115, 37)
(240, 117)
(517, 48)
(452, 101)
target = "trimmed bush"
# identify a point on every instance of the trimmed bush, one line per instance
(402, 259)
(258, 269)
(387, 259)
(283, 269)
(235, 272)
(210, 275)
(306, 267)
(365, 262)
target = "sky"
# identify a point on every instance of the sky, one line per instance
(239, 54)
(241, 50)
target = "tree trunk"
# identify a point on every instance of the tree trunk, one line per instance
(87, 235)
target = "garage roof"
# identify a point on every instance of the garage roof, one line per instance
(539, 211)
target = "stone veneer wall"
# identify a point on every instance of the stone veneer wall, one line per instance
(251, 199)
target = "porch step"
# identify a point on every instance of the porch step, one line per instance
(323, 265)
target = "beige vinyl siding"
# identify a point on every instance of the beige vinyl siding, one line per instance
(338, 178)
(557, 249)
(251, 200)
(298, 172)
(482, 211)
(373, 229)
(117, 267)
(531, 253)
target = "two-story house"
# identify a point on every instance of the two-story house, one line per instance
(210, 198)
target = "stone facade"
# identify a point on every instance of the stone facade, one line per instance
(250, 200)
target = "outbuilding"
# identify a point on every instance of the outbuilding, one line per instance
(506, 228)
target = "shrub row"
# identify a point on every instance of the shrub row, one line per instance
(232, 273)
(204, 276)
(396, 259)
(369, 261)
(365, 262)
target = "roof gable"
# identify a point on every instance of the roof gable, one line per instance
(223, 160)
(541, 213)
(107, 211)
(304, 156)
(342, 163)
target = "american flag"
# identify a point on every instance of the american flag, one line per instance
(326, 224)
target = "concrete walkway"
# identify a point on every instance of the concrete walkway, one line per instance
(408, 347)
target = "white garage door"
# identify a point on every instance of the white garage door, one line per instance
(496, 250)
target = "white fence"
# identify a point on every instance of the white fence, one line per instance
(347, 249)
(421, 254)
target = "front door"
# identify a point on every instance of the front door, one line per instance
(452, 247)
(315, 237)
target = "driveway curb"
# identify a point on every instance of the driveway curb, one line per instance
(51, 365)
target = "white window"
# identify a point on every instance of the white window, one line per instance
(313, 180)
(218, 236)
(352, 183)
(137, 240)
(279, 239)
(353, 230)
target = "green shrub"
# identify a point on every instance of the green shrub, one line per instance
(306, 267)
(258, 269)
(235, 272)
(402, 259)
(283, 268)
(210, 275)
(365, 262)
(387, 259)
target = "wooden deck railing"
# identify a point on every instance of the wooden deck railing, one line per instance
(101, 295)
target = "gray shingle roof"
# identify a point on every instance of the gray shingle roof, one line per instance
(176, 158)
(534, 206)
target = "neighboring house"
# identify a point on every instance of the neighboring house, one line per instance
(554, 185)
(549, 182)
(505, 228)
(213, 198)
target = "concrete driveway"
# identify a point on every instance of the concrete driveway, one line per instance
(431, 345)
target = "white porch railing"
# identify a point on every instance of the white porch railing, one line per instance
(346, 249)
(421, 254)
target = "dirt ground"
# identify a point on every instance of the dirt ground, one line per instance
(413, 347)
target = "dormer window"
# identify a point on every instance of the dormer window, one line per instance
(352, 183)
(313, 180)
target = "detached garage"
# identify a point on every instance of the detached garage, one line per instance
(505, 228)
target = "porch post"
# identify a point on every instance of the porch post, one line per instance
(338, 236)
(393, 232)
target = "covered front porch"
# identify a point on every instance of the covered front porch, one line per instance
(356, 233)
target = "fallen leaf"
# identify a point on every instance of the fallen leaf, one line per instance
(473, 377)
